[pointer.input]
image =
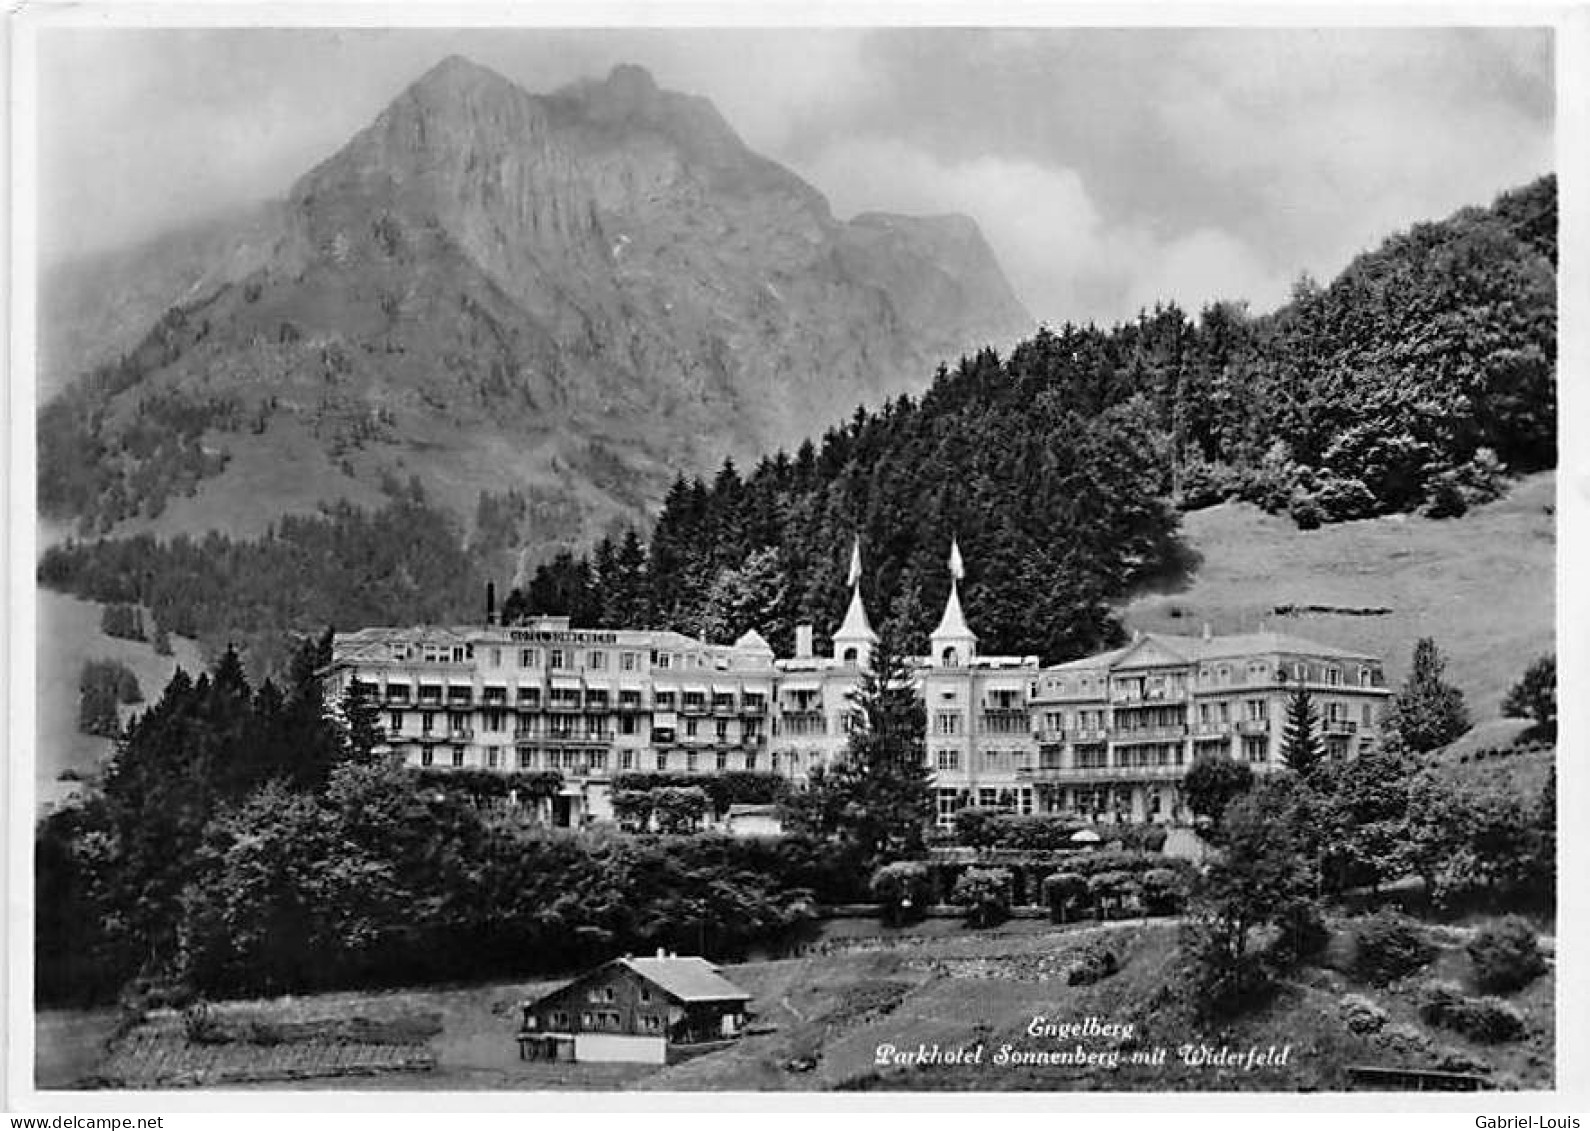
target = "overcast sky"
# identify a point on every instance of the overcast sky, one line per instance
(1108, 169)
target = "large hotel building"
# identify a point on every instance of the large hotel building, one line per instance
(1106, 737)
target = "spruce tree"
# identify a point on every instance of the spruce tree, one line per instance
(1428, 712)
(1301, 749)
(882, 777)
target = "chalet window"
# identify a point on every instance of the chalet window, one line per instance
(560, 1020)
(645, 993)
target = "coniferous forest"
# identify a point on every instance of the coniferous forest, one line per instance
(1417, 380)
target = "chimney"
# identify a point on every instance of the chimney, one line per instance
(491, 602)
(661, 953)
(1208, 635)
(803, 642)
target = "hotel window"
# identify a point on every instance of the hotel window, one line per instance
(987, 798)
(662, 762)
(626, 724)
(949, 759)
(529, 658)
(556, 658)
(496, 657)
(750, 761)
(1333, 676)
(659, 660)
(690, 727)
(458, 756)
(991, 759)
(396, 720)
(1255, 748)
(526, 759)
(1026, 801)
(427, 722)
(597, 760)
(427, 757)
(722, 726)
(626, 760)
(596, 661)
(1256, 711)
(723, 760)
(946, 805)
(1369, 715)
(1363, 677)
(690, 762)
(493, 757)
(626, 661)
(948, 723)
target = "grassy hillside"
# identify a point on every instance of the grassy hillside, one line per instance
(69, 635)
(1482, 585)
(821, 1019)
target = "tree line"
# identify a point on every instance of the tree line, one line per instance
(1418, 379)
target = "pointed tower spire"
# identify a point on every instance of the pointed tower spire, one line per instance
(953, 640)
(855, 638)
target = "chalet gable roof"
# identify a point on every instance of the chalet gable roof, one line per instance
(685, 979)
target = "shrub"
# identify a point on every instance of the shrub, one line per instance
(1063, 893)
(1444, 497)
(1306, 512)
(1488, 1020)
(1388, 947)
(903, 889)
(1343, 499)
(1112, 890)
(1163, 891)
(1505, 956)
(1362, 1015)
(985, 894)
(1092, 963)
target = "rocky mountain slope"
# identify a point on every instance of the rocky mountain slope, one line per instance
(571, 295)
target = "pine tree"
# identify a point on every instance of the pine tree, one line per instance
(883, 775)
(1535, 697)
(1301, 749)
(1428, 712)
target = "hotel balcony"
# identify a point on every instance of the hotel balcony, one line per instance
(1211, 730)
(460, 734)
(1108, 773)
(569, 705)
(724, 707)
(753, 706)
(1339, 726)
(1253, 726)
(1174, 733)
(695, 707)
(1148, 698)
(631, 706)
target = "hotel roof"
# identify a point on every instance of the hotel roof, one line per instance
(1195, 649)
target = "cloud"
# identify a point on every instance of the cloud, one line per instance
(1064, 259)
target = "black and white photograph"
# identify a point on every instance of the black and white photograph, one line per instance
(675, 557)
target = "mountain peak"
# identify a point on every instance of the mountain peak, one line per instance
(631, 83)
(457, 74)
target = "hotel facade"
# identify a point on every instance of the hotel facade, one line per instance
(1107, 737)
